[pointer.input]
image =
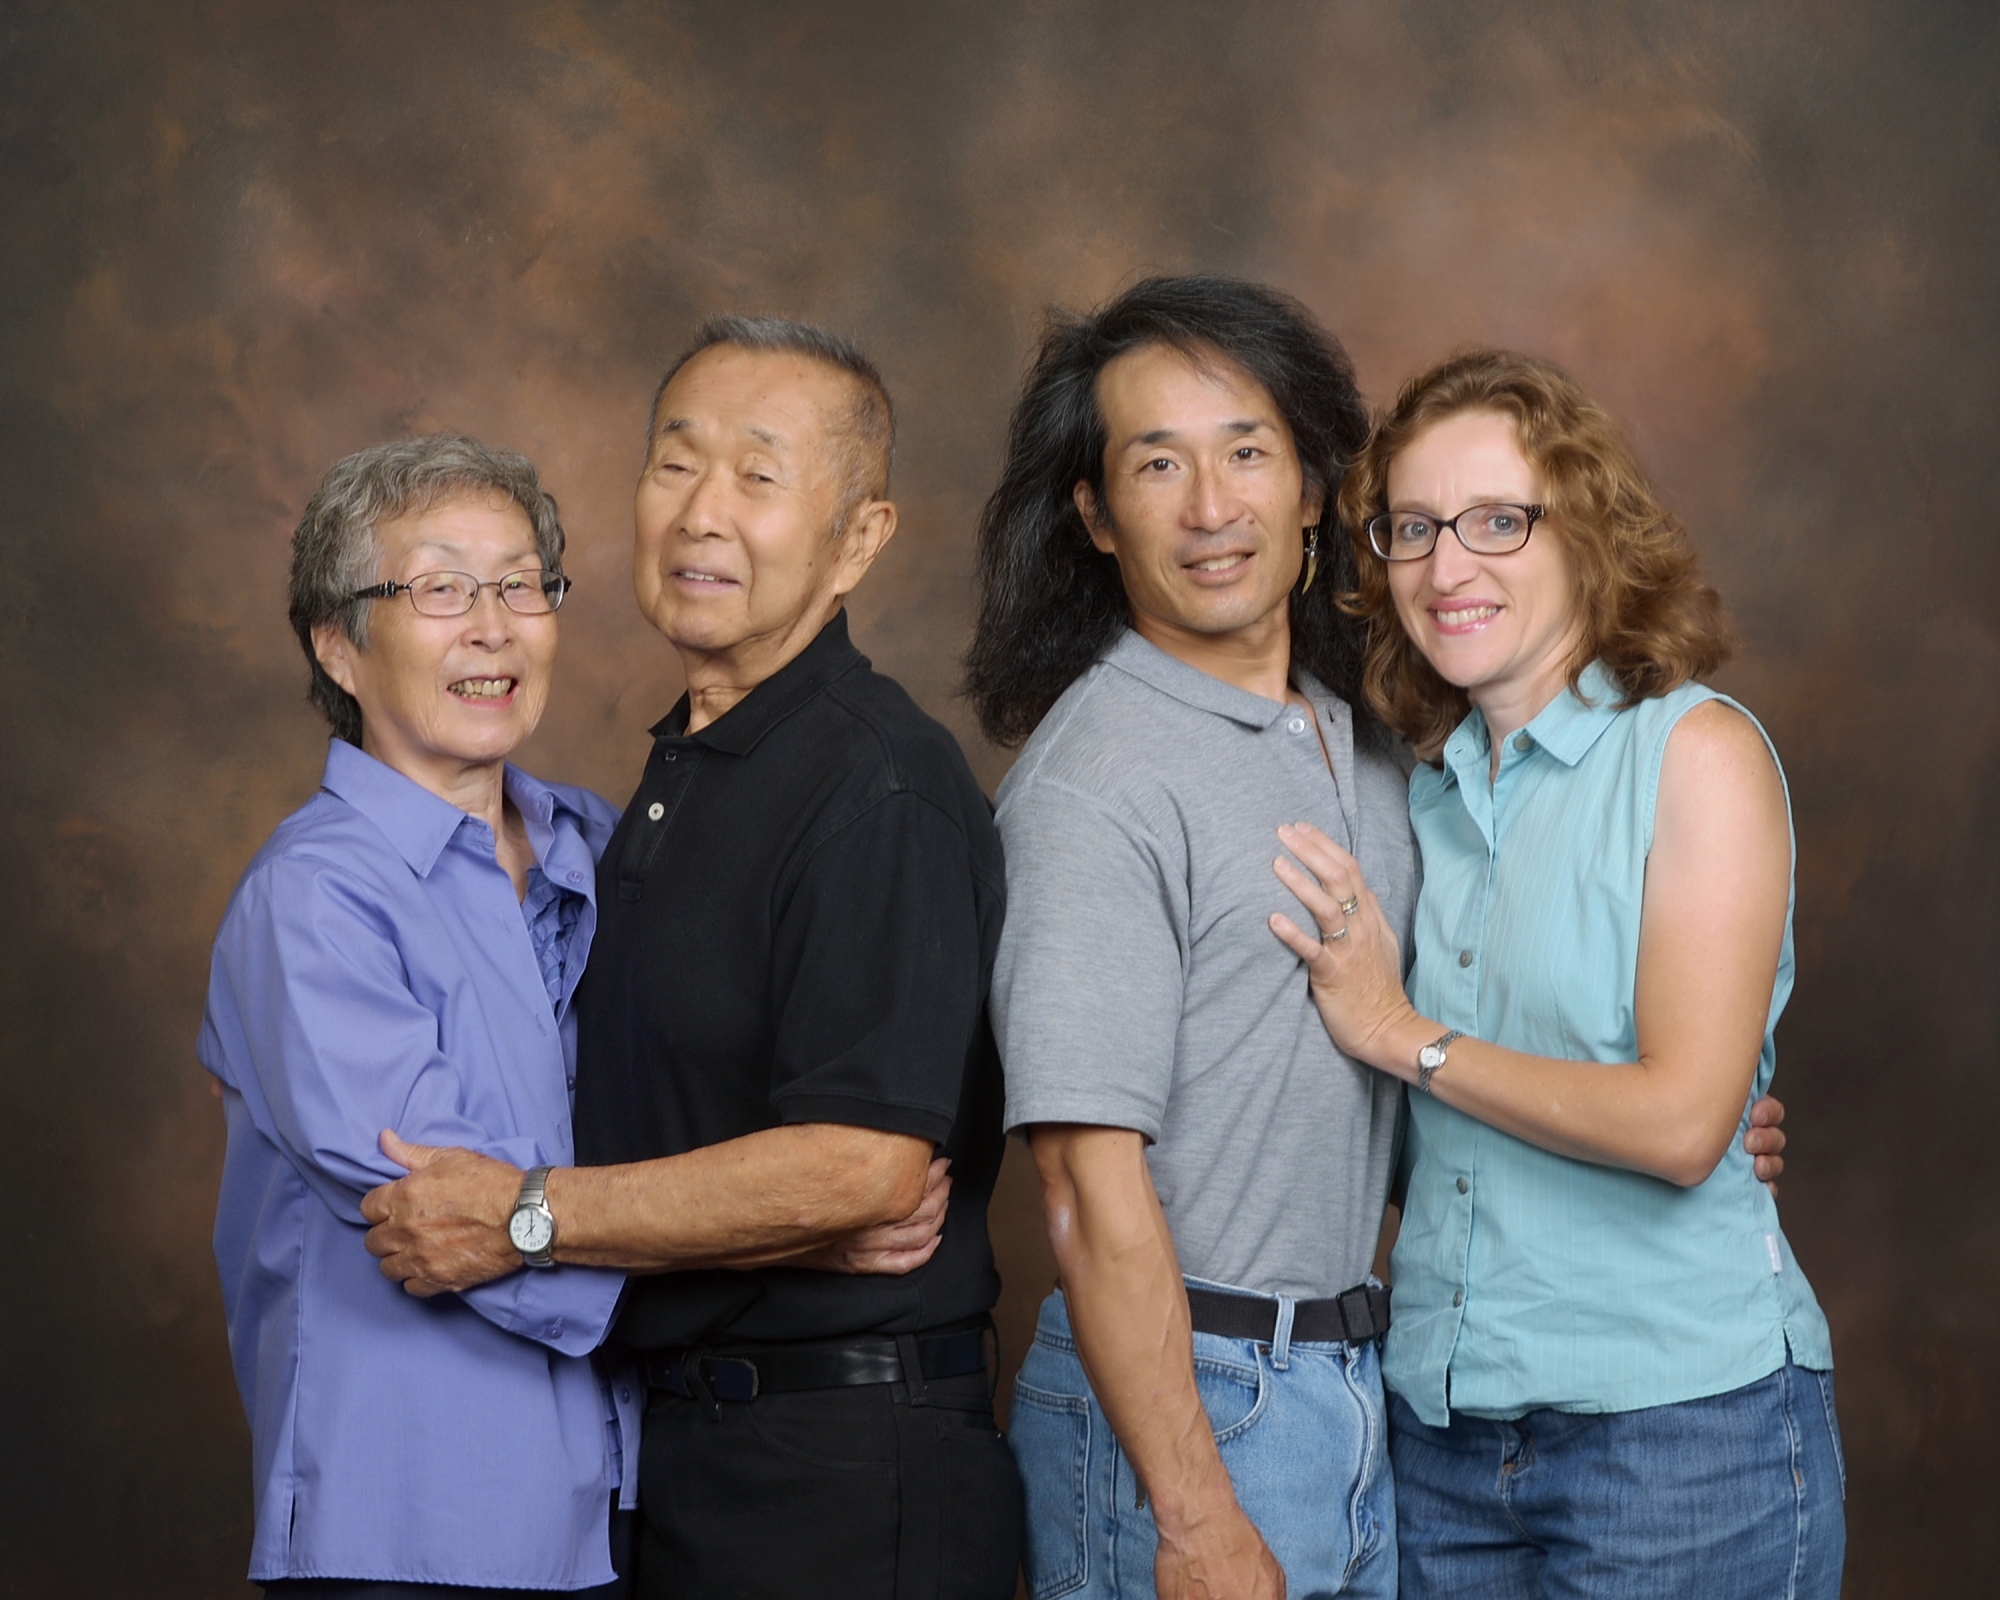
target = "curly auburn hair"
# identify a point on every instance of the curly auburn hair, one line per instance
(1647, 613)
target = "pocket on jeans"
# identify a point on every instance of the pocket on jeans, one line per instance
(1833, 1428)
(1050, 1438)
(1232, 1395)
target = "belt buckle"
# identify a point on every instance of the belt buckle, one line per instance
(732, 1378)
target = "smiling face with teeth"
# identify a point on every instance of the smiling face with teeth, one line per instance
(748, 532)
(1503, 628)
(1205, 506)
(445, 699)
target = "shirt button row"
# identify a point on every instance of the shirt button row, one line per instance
(1465, 958)
(1463, 1186)
(1458, 1297)
(655, 811)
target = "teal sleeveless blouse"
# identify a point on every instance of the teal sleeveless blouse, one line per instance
(1525, 1279)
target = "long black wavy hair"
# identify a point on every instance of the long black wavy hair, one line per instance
(1049, 601)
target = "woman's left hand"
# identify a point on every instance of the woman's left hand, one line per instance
(1354, 959)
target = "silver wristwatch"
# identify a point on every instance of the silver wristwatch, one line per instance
(1432, 1056)
(532, 1227)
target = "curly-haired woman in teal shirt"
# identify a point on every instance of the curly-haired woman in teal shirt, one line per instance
(1608, 1375)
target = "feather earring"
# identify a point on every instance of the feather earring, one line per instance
(1312, 560)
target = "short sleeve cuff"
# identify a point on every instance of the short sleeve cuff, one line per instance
(854, 1111)
(1102, 1107)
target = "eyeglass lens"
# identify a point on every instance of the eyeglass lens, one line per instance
(1485, 530)
(451, 594)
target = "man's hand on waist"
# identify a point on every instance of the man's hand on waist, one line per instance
(444, 1227)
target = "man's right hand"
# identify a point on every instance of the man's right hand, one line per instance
(1218, 1556)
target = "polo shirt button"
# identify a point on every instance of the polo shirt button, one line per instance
(1297, 725)
(1523, 743)
(1463, 1186)
(1465, 958)
(1458, 1297)
(655, 811)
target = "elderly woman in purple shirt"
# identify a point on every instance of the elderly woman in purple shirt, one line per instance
(402, 954)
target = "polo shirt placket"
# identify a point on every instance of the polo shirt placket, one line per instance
(799, 912)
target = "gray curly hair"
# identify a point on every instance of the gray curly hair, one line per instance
(335, 552)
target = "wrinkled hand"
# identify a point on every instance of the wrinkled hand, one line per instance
(1220, 1558)
(1357, 974)
(1764, 1140)
(444, 1227)
(892, 1248)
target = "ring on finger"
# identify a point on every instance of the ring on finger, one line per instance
(1338, 933)
(1350, 905)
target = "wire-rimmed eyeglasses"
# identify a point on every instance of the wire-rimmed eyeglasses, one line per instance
(1495, 530)
(531, 592)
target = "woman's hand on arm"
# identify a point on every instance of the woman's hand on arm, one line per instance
(1712, 924)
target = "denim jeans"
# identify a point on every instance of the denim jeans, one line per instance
(1735, 1495)
(1300, 1428)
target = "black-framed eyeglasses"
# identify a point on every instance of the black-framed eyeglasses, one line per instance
(1495, 530)
(531, 592)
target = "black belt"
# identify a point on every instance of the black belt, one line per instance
(743, 1374)
(1353, 1316)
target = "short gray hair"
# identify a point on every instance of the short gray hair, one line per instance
(334, 549)
(868, 450)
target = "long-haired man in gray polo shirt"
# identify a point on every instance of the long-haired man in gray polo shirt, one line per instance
(1201, 1411)
(1158, 579)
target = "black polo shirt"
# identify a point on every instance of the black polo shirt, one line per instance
(797, 918)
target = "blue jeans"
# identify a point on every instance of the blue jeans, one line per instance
(1735, 1495)
(1300, 1428)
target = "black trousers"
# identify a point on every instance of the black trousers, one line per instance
(624, 1525)
(827, 1494)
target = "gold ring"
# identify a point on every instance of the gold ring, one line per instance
(1350, 905)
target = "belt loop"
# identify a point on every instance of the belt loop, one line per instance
(1281, 1336)
(913, 1369)
(697, 1382)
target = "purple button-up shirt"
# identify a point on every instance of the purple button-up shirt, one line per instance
(375, 971)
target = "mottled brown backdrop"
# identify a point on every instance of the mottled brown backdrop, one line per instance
(242, 239)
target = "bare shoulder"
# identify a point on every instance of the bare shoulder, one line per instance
(1718, 766)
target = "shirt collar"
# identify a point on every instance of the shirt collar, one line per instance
(420, 824)
(1191, 686)
(1566, 727)
(737, 731)
(555, 833)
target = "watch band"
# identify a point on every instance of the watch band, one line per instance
(1433, 1056)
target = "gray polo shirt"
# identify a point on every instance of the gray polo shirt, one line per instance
(1138, 985)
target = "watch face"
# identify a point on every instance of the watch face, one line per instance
(1430, 1056)
(531, 1229)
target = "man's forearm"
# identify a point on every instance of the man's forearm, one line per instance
(762, 1198)
(1128, 1310)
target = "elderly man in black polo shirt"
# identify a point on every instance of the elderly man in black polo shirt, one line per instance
(782, 1023)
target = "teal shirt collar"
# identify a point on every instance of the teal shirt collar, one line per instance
(1566, 727)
